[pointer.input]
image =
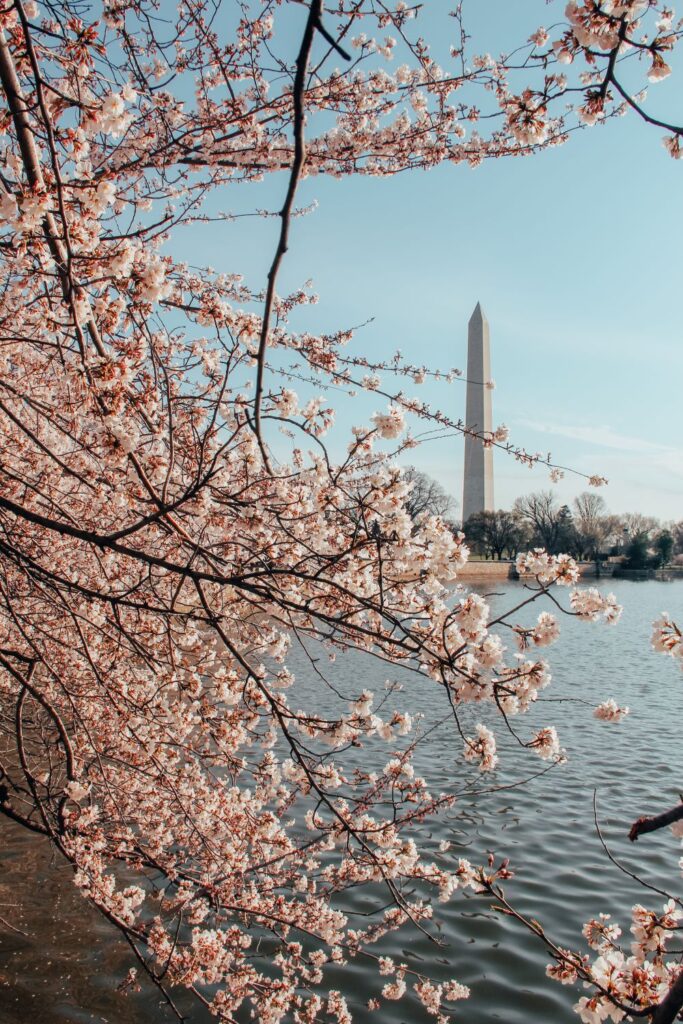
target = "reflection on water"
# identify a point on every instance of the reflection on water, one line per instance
(60, 968)
(67, 964)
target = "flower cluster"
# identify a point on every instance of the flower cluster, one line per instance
(546, 743)
(667, 637)
(590, 604)
(609, 711)
(637, 980)
(482, 749)
(391, 424)
(560, 569)
(545, 632)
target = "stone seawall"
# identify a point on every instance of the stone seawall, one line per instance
(488, 571)
(668, 572)
(505, 570)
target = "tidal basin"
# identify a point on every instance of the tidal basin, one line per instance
(68, 964)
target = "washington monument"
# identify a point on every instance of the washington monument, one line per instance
(477, 492)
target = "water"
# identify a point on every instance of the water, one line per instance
(66, 966)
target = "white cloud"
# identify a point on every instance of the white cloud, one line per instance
(603, 436)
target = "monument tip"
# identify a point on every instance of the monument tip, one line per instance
(478, 313)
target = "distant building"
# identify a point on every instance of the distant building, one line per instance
(477, 491)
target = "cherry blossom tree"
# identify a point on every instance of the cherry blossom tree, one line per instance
(159, 554)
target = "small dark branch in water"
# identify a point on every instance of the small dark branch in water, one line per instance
(6, 924)
(658, 821)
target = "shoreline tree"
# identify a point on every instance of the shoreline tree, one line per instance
(543, 513)
(426, 497)
(594, 528)
(158, 558)
(498, 534)
(664, 547)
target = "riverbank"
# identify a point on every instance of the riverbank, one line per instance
(505, 569)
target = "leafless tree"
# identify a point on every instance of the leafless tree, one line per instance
(633, 523)
(427, 497)
(497, 534)
(592, 523)
(541, 510)
(589, 509)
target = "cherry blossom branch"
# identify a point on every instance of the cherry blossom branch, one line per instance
(312, 22)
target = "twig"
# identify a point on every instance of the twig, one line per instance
(618, 864)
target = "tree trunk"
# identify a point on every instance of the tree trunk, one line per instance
(668, 1009)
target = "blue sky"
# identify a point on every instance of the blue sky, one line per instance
(575, 255)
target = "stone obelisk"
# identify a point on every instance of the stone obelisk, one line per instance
(477, 492)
